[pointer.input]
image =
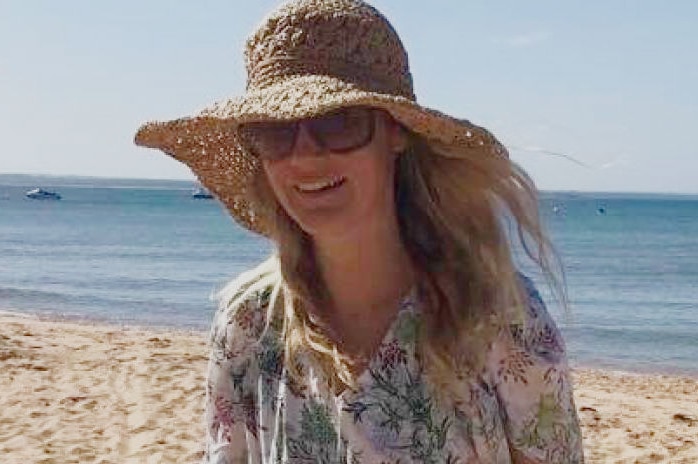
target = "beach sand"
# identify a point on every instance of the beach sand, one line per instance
(86, 393)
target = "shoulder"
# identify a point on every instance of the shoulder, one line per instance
(529, 342)
(244, 309)
(535, 331)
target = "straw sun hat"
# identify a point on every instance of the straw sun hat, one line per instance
(308, 57)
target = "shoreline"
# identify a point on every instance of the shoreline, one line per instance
(98, 322)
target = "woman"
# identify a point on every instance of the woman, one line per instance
(390, 324)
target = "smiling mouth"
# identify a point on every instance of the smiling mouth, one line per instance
(320, 185)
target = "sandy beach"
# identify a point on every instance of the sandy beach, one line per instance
(86, 393)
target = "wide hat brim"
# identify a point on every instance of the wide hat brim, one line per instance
(208, 144)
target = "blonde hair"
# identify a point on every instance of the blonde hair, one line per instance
(454, 210)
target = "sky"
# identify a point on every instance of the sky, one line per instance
(595, 95)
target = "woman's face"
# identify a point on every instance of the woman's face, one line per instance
(333, 195)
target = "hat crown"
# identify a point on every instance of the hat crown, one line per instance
(346, 39)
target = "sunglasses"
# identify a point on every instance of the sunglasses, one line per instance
(339, 131)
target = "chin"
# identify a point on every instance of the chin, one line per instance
(328, 228)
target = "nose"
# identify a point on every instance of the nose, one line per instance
(306, 145)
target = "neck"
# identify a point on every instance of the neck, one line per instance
(366, 271)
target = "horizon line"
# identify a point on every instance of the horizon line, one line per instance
(195, 181)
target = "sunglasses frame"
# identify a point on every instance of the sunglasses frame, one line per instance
(312, 129)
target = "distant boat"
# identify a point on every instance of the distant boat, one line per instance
(41, 194)
(202, 193)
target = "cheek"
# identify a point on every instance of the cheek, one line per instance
(376, 182)
(274, 178)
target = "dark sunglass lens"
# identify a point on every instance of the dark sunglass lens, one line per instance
(343, 130)
(269, 140)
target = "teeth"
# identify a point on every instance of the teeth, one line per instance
(320, 184)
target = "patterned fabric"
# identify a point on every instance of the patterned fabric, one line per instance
(520, 410)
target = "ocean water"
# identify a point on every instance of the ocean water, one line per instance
(146, 253)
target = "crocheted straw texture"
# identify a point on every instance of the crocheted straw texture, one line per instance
(306, 58)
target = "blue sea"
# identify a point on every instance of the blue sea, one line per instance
(145, 253)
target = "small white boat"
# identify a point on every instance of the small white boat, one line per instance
(41, 194)
(201, 193)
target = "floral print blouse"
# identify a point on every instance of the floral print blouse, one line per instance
(520, 410)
